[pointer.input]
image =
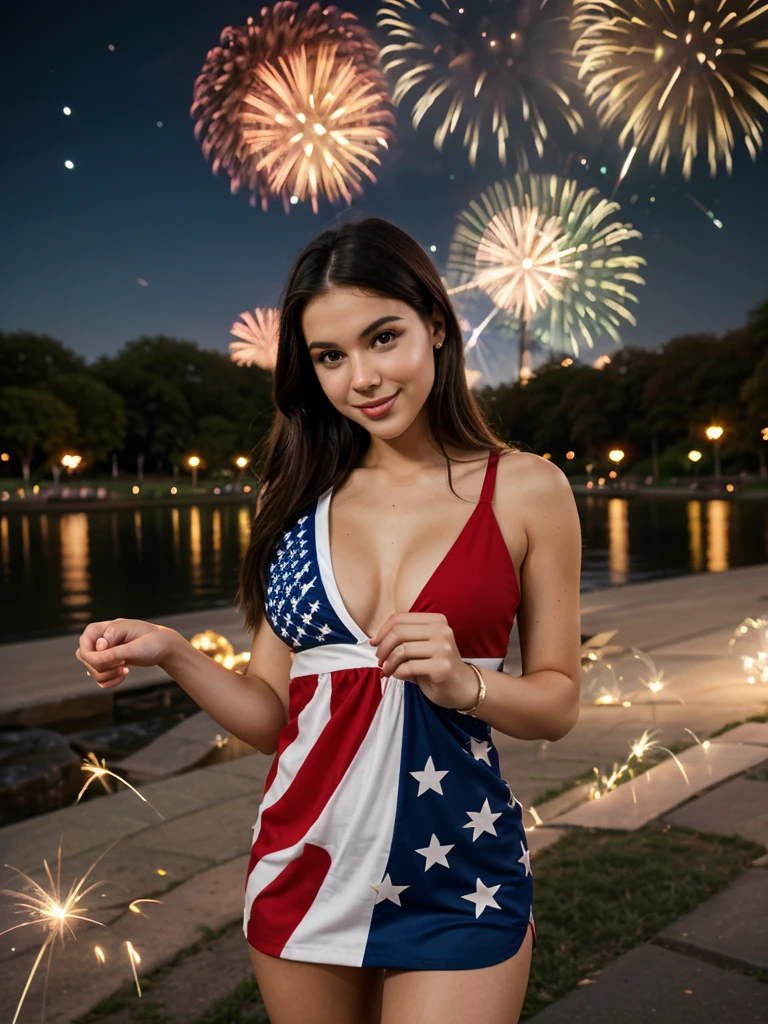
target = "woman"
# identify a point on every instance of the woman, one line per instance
(390, 879)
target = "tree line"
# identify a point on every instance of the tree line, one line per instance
(159, 399)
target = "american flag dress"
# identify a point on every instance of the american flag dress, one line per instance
(386, 836)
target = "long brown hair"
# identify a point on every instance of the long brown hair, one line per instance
(311, 446)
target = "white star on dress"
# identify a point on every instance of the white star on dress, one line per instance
(483, 897)
(482, 821)
(387, 891)
(480, 749)
(435, 853)
(525, 859)
(429, 778)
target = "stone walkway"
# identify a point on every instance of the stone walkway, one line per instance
(194, 858)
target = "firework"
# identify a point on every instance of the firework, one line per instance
(314, 123)
(228, 72)
(593, 297)
(497, 68)
(680, 76)
(258, 334)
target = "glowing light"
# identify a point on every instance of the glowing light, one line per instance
(5, 457)
(570, 455)
(714, 433)
(69, 165)
(174, 490)
(616, 455)
(680, 77)
(135, 489)
(259, 334)
(433, 248)
(294, 200)
(71, 461)
(67, 111)
(193, 461)
(694, 455)
(512, 88)
(241, 462)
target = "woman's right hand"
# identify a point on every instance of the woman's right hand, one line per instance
(108, 648)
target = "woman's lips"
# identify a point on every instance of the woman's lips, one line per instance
(377, 411)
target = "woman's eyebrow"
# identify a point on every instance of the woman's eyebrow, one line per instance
(363, 334)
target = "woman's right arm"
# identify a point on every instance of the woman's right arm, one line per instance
(253, 707)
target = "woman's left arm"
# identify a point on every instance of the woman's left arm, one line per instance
(543, 702)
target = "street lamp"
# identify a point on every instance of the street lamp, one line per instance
(714, 433)
(241, 462)
(695, 458)
(616, 455)
(71, 462)
(193, 462)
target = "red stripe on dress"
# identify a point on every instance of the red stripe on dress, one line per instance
(301, 691)
(274, 918)
(355, 698)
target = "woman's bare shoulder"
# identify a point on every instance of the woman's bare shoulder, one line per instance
(527, 481)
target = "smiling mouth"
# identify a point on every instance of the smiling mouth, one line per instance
(377, 402)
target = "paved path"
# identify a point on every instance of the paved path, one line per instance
(194, 857)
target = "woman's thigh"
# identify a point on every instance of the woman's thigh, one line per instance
(493, 995)
(296, 992)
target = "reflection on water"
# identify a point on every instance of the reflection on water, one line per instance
(618, 539)
(75, 560)
(695, 545)
(717, 535)
(58, 571)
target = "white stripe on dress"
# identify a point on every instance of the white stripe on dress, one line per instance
(336, 657)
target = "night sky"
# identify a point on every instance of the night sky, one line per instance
(142, 203)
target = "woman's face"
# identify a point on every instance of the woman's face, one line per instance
(365, 348)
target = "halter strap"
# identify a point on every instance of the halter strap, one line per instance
(489, 481)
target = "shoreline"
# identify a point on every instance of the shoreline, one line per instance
(208, 498)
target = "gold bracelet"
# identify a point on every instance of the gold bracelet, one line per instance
(481, 694)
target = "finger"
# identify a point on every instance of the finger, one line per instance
(91, 634)
(102, 643)
(402, 633)
(90, 667)
(405, 618)
(109, 679)
(104, 661)
(411, 650)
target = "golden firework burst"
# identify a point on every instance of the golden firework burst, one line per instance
(258, 334)
(314, 124)
(680, 76)
(496, 67)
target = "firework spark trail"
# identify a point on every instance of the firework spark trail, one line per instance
(498, 68)
(679, 76)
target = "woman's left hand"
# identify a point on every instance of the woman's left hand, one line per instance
(421, 647)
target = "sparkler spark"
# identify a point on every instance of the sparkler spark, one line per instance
(500, 67)
(98, 770)
(314, 122)
(56, 913)
(680, 76)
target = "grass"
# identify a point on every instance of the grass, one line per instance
(598, 894)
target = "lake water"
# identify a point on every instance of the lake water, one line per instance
(61, 570)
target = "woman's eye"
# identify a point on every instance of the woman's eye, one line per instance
(384, 336)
